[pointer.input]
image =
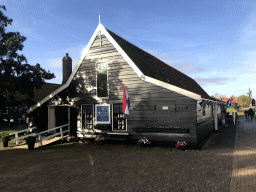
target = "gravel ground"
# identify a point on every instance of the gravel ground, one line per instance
(116, 167)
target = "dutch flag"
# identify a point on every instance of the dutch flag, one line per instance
(126, 103)
(229, 102)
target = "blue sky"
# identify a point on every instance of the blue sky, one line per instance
(212, 41)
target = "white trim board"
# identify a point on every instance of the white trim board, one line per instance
(173, 88)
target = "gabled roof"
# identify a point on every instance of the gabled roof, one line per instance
(157, 69)
(214, 99)
(147, 67)
(44, 91)
(226, 99)
(39, 93)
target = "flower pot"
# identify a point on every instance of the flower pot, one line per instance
(5, 140)
(31, 140)
(31, 145)
(5, 143)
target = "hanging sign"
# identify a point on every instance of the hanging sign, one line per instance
(102, 113)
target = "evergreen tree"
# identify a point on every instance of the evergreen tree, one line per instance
(17, 77)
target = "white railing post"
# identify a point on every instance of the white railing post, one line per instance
(17, 138)
(40, 140)
(61, 133)
(69, 121)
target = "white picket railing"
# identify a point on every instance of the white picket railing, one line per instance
(40, 138)
(17, 138)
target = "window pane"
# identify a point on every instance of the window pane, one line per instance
(119, 122)
(89, 109)
(116, 109)
(121, 108)
(102, 85)
(84, 109)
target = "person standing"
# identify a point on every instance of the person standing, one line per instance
(27, 121)
(19, 121)
(11, 122)
(251, 113)
(246, 114)
(23, 119)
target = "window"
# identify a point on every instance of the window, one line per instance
(102, 80)
(87, 116)
(119, 121)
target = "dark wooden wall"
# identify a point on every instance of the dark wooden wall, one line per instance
(204, 125)
(147, 100)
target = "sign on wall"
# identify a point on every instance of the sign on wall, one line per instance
(102, 113)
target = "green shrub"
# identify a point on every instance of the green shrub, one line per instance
(4, 136)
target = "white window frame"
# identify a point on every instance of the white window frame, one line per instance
(96, 114)
(81, 123)
(116, 130)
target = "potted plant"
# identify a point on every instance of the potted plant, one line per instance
(99, 140)
(71, 139)
(4, 138)
(144, 142)
(31, 140)
(182, 145)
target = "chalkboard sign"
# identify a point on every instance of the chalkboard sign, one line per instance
(253, 102)
(102, 112)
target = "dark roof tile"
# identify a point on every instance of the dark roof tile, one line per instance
(44, 91)
(155, 68)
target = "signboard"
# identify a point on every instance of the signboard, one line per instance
(102, 113)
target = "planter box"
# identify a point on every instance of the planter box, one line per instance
(5, 143)
(103, 127)
(161, 130)
(116, 137)
(31, 145)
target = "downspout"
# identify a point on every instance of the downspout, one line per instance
(216, 115)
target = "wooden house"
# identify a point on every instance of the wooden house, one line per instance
(166, 105)
(233, 101)
(18, 108)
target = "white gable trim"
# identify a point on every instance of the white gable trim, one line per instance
(121, 51)
(100, 28)
(84, 53)
(173, 88)
(103, 31)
